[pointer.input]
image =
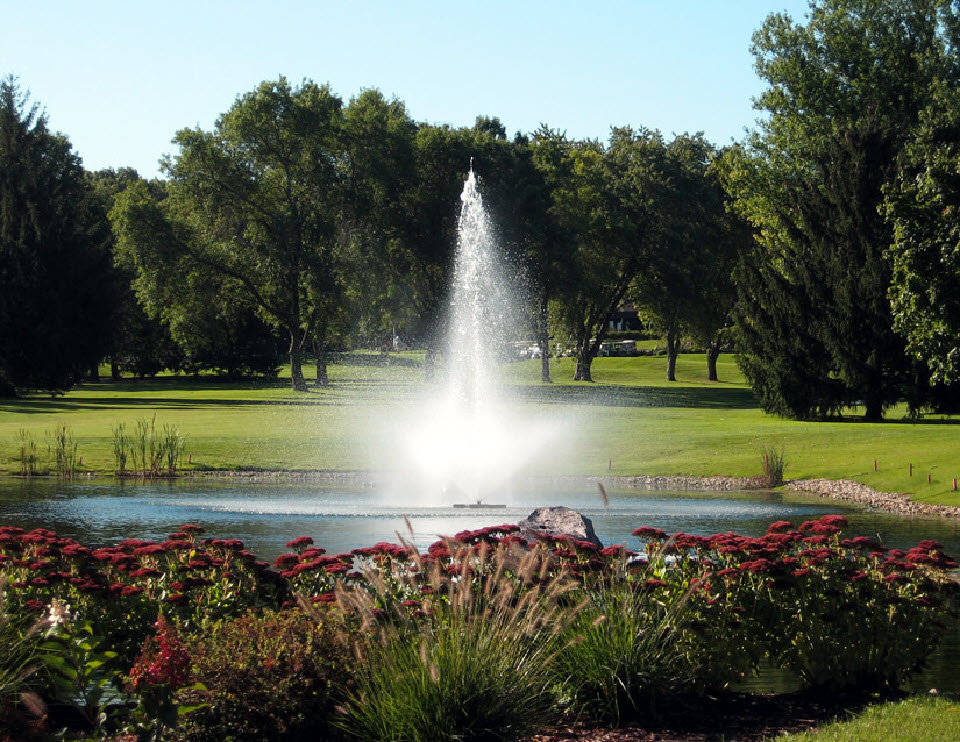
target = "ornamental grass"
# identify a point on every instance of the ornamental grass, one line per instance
(455, 647)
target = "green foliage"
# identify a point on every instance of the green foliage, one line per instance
(19, 638)
(274, 676)
(621, 651)
(63, 452)
(121, 447)
(605, 199)
(30, 465)
(454, 659)
(686, 282)
(254, 202)
(844, 92)
(921, 206)
(774, 462)
(54, 312)
(81, 670)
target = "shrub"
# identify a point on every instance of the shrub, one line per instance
(267, 677)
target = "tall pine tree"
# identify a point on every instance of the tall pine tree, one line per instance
(55, 306)
(843, 96)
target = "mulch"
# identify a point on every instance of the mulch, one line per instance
(734, 718)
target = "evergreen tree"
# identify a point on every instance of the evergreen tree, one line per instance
(55, 306)
(843, 97)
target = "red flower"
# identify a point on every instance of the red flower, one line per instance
(838, 521)
(779, 526)
(649, 532)
(146, 572)
(286, 560)
(150, 550)
(760, 565)
(189, 527)
(324, 598)
(131, 590)
(299, 541)
(163, 661)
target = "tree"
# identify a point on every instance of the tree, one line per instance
(55, 307)
(380, 174)
(137, 343)
(609, 207)
(843, 93)
(257, 200)
(686, 284)
(922, 207)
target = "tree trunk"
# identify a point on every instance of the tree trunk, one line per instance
(323, 378)
(429, 363)
(94, 372)
(115, 373)
(874, 408)
(543, 340)
(7, 390)
(296, 360)
(584, 361)
(713, 353)
(672, 347)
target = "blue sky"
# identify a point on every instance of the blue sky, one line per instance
(120, 78)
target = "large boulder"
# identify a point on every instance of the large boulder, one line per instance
(559, 521)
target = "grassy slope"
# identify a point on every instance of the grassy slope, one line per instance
(912, 720)
(630, 422)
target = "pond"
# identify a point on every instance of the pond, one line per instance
(266, 516)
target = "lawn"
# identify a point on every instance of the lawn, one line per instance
(630, 422)
(912, 720)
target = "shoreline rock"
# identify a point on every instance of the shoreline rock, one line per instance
(892, 502)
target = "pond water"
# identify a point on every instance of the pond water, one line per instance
(266, 516)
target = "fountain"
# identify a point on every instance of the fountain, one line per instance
(471, 439)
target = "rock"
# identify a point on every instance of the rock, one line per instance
(559, 521)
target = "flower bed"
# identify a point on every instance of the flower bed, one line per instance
(377, 634)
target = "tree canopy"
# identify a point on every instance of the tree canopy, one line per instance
(55, 312)
(843, 96)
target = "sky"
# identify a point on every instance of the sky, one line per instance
(120, 78)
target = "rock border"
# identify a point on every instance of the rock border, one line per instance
(892, 502)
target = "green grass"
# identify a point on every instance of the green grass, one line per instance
(631, 421)
(913, 720)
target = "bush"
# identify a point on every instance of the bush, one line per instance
(268, 677)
